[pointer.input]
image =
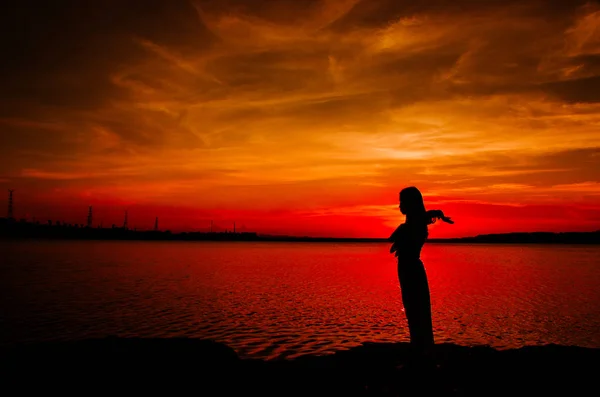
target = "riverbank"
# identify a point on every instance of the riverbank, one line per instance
(203, 367)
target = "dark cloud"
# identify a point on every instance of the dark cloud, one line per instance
(61, 53)
(561, 167)
(576, 90)
(33, 137)
(283, 11)
(379, 13)
(265, 70)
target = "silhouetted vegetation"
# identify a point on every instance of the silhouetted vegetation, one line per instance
(11, 229)
(204, 367)
(59, 230)
(528, 238)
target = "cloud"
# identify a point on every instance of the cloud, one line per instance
(576, 90)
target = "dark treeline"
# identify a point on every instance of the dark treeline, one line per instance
(10, 229)
(528, 238)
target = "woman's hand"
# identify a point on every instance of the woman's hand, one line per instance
(447, 220)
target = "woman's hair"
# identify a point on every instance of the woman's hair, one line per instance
(412, 204)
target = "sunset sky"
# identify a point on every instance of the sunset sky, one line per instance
(303, 117)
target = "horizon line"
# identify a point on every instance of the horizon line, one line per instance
(434, 238)
(294, 236)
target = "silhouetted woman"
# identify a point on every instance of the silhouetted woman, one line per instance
(408, 239)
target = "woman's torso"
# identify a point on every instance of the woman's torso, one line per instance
(408, 242)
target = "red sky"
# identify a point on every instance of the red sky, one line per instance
(303, 117)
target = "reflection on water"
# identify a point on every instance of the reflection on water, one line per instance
(287, 299)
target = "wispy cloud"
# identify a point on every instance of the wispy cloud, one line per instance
(323, 106)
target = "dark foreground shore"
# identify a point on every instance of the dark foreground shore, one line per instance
(199, 367)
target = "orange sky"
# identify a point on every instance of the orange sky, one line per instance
(303, 117)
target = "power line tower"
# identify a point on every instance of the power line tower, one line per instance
(125, 221)
(10, 203)
(89, 219)
(156, 224)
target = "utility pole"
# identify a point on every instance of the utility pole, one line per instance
(234, 227)
(10, 203)
(156, 224)
(89, 218)
(125, 221)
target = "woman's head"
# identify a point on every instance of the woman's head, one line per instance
(412, 205)
(411, 201)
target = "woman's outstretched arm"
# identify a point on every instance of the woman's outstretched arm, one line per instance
(438, 214)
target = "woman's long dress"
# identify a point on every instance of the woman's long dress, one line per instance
(407, 243)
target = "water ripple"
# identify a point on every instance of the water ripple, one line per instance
(286, 300)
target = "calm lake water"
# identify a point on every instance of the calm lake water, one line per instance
(274, 300)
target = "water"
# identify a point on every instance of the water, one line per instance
(275, 300)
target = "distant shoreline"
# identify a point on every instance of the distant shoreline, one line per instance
(483, 239)
(27, 230)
